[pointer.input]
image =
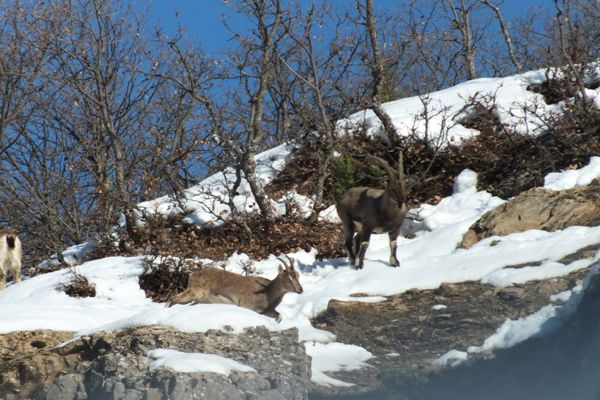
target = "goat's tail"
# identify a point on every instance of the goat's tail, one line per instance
(10, 241)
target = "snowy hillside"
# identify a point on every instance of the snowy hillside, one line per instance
(426, 261)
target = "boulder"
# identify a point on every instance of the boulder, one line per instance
(539, 208)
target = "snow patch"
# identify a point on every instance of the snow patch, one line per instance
(335, 357)
(576, 177)
(194, 362)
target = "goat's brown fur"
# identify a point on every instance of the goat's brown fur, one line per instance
(211, 285)
(365, 210)
(10, 257)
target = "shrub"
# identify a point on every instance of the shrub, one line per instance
(165, 278)
(348, 170)
(78, 286)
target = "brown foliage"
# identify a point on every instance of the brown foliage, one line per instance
(510, 163)
(171, 236)
(298, 174)
(556, 89)
(170, 276)
(507, 163)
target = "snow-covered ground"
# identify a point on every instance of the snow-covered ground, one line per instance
(437, 116)
(426, 261)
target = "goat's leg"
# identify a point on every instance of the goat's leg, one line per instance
(273, 314)
(365, 235)
(348, 235)
(15, 269)
(182, 298)
(393, 247)
(356, 244)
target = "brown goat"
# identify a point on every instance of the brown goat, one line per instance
(211, 285)
(10, 257)
(367, 210)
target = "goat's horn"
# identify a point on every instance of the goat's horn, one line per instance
(289, 264)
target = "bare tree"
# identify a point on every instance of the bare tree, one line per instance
(101, 93)
(378, 67)
(40, 181)
(505, 33)
(318, 99)
(460, 12)
(254, 72)
(22, 56)
(97, 128)
(236, 95)
(573, 49)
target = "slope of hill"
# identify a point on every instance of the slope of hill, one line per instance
(435, 274)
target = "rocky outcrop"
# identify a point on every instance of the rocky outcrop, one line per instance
(28, 362)
(115, 365)
(564, 364)
(539, 208)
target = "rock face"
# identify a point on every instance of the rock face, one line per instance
(28, 362)
(564, 364)
(539, 208)
(115, 365)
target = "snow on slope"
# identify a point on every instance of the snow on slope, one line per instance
(571, 178)
(515, 106)
(427, 260)
(207, 202)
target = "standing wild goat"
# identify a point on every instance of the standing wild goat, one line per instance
(211, 285)
(10, 257)
(366, 210)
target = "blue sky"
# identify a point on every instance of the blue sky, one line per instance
(202, 19)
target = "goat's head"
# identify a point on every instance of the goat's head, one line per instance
(289, 277)
(396, 179)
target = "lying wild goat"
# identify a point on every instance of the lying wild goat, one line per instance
(211, 285)
(10, 257)
(369, 210)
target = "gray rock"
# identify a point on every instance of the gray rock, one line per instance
(114, 365)
(65, 387)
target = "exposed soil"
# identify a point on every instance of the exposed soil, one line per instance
(405, 333)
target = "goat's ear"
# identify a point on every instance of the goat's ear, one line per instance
(280, 268)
